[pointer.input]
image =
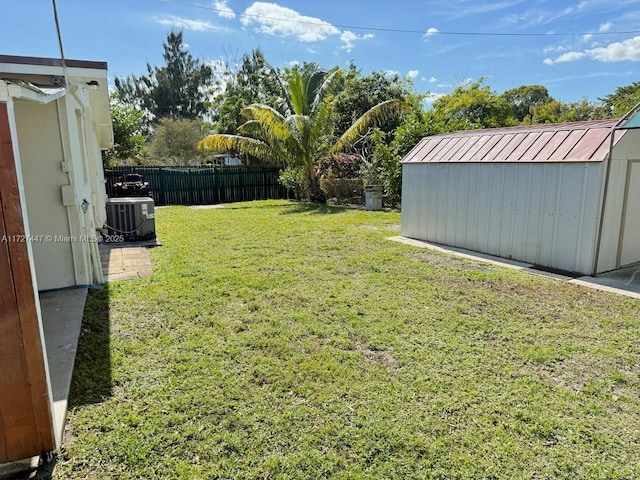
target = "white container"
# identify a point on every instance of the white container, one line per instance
(373, 197)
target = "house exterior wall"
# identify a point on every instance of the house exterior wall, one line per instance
(62, 168)
(41, 157)
(540, 213)
(619, 206)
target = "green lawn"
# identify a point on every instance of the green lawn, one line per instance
(285, 340)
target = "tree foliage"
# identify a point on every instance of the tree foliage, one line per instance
(175, 141)
(242, 83)
(178, 89)
(296, 133)
(358, 93)
(525, 98)
(622, 100)
(471, 106)
(555, 111)
(128, 139)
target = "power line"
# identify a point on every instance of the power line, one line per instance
(400, 30)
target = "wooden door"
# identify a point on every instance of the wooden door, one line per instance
(26, 423)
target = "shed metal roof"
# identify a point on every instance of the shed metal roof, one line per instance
(562, 142)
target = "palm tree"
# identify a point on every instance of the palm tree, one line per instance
(296, 134)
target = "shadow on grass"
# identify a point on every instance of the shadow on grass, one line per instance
(91, 381)
(313, 208)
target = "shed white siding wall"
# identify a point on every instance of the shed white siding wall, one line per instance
(540, 213)
(617, 211)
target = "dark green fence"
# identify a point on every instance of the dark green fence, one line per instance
(204, 185)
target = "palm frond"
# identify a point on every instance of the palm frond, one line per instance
(272, 122)
(374, 117)
(322, 89)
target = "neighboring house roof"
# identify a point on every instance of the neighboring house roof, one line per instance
(565, 142)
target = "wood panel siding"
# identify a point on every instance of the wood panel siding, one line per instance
(26, 423)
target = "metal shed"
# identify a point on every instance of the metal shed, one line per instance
(563, 196)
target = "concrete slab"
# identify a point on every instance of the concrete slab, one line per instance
(622, 282)
(62, 320)
(125, 262)
(624, 279)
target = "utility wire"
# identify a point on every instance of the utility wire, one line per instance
(399, 30)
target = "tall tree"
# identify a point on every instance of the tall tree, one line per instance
(358, 93)
(296, 133)
(175, 141)
(623, 99)
(127, 132)
(526, 97)
(178, 89)
(242, 83)
(559, 112)
(470, 106)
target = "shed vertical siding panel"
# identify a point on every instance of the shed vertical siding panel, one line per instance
(591, 199)
(519, 226)
(495, 208)
(547, 232)
(568, 215)
(429, 206)
(471, 217)
(482, 215)
(419, 189)
(612, 216)
(453, 195)
(441, 179)
(535, 213)
(630, 231)
(411, 189)
(508, 211)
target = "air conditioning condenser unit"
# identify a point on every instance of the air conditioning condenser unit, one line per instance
(131, 218)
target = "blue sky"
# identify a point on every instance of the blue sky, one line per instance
(426, 40)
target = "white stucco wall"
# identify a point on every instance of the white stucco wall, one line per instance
(62, 167)
(41, 156)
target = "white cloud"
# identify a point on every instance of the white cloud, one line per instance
(618, 51)
(566, 57)
(413, 74)
(223, 9)
(433, 80)
(431, 31)
(587, 38)
(276, 20)
(605, 27)
(186, 23)
(432, 97)
(348, 38)
(273, 19)
(627, 50)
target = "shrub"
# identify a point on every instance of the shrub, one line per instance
(294, 180)
(340, 176)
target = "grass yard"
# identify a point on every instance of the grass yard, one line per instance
(291, 341)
